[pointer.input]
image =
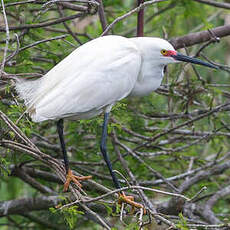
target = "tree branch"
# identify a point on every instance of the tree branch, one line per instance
(207, 212)
(223, 5)
(44, 24)
(20, 206)
(7, 39)
(140, 20)
(101, 13)
(199, 37)
(218, 169)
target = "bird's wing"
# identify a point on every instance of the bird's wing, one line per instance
(103, 73)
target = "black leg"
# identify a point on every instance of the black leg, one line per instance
(104, 151)
(61, 137)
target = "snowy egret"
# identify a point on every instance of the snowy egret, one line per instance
(93, 78)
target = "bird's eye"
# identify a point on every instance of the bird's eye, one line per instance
(164, 52)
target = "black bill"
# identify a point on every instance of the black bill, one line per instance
(184, 58)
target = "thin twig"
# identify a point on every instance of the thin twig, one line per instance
(44, 24)
(43, 41)
(11, 56)
(67, 27)
(124, 189)
(206, 114)
(7, 38)
(198, 193)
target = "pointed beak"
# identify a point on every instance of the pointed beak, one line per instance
(184, 58)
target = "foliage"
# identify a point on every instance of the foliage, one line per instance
(182, 225)
(70, 215)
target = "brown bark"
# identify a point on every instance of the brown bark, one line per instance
(199, 37)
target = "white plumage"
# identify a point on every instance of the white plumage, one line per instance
(95, 76)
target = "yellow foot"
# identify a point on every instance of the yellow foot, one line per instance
(130, 200)
(71, 177)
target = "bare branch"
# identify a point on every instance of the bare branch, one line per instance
(217, 109)
(207, 213)
(140, 20)
(7, 39)
(124, 189)
(43, 41)
(199, 37)
(223, 5)
(101, 13)
(19, 172)
(44, 24)
(67, 27)
(28, 204)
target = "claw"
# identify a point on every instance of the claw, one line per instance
(130, 200)
(71, 177)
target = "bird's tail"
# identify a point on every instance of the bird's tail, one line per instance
(27, 90)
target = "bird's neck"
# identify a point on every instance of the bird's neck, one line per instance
(149, 79)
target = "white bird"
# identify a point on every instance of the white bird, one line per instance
(93, 78)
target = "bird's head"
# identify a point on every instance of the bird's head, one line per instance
(169, 55)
